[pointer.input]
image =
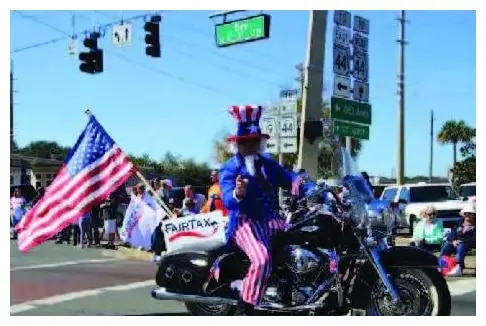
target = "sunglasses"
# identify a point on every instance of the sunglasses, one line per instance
(249, 141)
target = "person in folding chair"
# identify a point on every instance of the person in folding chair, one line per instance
(249, 182)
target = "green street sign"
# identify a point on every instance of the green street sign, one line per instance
(349, 129)
(351, 111)
(243, 30)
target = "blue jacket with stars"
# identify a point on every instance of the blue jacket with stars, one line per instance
(261, 199)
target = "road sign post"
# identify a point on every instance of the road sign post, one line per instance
(122, 35)
(353, 130)
(342, 57)
(243, 30)
(351, 117)
(280, 122)
(351, 111)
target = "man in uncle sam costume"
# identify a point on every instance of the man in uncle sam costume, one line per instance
(249, 183)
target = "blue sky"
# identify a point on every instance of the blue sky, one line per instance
(178, 103)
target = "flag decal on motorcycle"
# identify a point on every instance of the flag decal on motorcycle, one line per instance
(193, 234)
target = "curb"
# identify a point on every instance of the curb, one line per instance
(129, 253)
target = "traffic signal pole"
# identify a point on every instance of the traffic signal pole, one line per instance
(312, 95)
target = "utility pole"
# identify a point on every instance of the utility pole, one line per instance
(11, 108)
(312, 93)
(401, 101)
(431, 163)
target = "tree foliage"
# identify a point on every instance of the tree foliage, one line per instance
(464, 171)
(455, 132)
(184, 171)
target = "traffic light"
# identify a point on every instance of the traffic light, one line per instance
(152, 38)
(92, 61)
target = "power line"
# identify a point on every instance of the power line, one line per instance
(33, 46)
(102, 27)
(225, 67)
(147, 67)
(215, 52)
(38, 21)
(170, 75)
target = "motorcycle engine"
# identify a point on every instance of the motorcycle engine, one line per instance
(307, 269)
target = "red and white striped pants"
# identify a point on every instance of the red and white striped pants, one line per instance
(254, 239)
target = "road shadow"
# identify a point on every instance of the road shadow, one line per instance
(464, 305)
(162, 314)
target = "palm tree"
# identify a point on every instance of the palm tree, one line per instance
(454, 132)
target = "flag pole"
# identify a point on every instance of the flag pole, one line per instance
(146, 183)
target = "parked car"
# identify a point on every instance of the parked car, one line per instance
(378, 190)
(467, 190)
(413, 198)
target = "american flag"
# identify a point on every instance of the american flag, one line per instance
(92, 171)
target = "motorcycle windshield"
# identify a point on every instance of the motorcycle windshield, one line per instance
(355, 190)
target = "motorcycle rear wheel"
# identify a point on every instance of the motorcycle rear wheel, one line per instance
(423, 293)
(200, 309)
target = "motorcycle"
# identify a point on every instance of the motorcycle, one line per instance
(329, 261)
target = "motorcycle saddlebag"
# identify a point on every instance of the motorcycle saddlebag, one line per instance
(185, 272)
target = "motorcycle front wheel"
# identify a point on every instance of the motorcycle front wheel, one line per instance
(422, 293)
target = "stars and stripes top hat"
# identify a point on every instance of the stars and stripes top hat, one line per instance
(248, 119)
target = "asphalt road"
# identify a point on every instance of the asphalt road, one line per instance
(63, 280)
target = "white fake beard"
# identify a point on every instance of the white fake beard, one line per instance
(232, 147)
(250, 164)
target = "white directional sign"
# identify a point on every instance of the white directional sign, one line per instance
(271, 110)
(342, 86)
(288, 145)
(288, 125)
(360, 42)
(360, 66)
(280, 122)
(341, 60)
(269, 125)
(361, 91)
(361, 25)
(342, 17)
(273, 146)
(288, 107)
(342, 36)
(122, 34)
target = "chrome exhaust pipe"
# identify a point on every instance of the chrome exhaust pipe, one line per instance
(162, 294)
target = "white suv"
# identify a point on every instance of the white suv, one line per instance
(413, 198)
(467, 191)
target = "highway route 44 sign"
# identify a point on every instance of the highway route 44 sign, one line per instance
(271, 110)
(342, 86)
(360, 66)
(343, 18)
(361, 91)
(342, 36)
(341, 60)
(288, 145)
(269, 126)
(122, 35)
(288, 125)
(288, 107)
(360, 42)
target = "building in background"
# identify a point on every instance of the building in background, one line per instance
(33, 170)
